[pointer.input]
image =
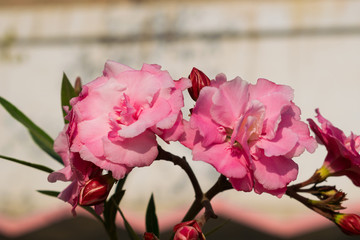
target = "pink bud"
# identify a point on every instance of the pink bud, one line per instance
(348, 223)
(198, 81)
(189, 230)
(96, 190)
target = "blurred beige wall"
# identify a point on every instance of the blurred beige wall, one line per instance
(313, 46)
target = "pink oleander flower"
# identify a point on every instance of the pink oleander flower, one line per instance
(343, 152)
(348, 223)
(189, 230)
(114, 121)
(249, 133)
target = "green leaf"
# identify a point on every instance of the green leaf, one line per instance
(67, 93)
(151, 218)
(33, 165)
(42, 139)
(110, 208)
(49, 193)
(132, 234)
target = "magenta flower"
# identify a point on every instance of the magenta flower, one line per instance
(343, 152)
(113, 122)
(249, 133)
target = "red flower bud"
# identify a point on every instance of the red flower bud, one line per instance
(198, 81)
(96, 190)
(189, 230)
(348, 223)
(150, 236)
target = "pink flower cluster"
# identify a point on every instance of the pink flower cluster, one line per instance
(113, 124)
(248, 132)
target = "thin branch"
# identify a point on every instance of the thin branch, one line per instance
(222, 184)
(164, 155)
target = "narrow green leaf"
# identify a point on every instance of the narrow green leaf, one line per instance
(132, 234)
(67, 93)
(49, 193)
(151, 218)
(44, 146)
(110, 209)
(33, 165)
(42, 139)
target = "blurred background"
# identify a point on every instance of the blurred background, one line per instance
(311, 45)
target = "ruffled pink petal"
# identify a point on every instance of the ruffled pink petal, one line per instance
(101, 100)
(148, 118)
(201, 119)
(245, 184)
(188, 138)
(61, 146)
(70, 193)
(328, 128)
(275, 98)
(90, 133)
(113, 69)
(259, 189)
(218, 81)
(229, 102)
(284, 141)
(176, 132)
(227, 161)
(163, 77)
(182, 84)
(118, 170)
(133, 152)
(64, 174)
(176, 102)
(249, 126)
(274, 172)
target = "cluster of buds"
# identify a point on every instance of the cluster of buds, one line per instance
(329, 197)
(329, 201)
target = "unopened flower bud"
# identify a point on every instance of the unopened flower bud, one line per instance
(96, 190)
(149, 236)
(78, 86)
(189, 230)
(348, 223)
(330, 197)
(198, 81)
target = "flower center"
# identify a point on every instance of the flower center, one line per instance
(125, 113)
